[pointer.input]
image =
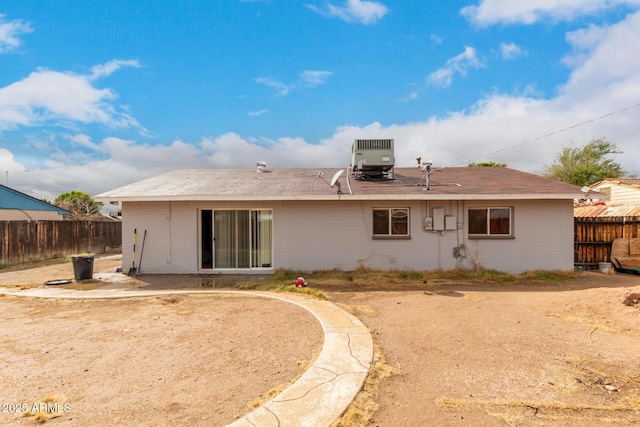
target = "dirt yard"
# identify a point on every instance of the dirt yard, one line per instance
(531, 354)
(153, 361)
(493, 355)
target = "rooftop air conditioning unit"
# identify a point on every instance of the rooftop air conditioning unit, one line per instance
(372, 158)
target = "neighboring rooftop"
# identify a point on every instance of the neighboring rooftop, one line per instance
(14, 199)
(604, 210)
(630, 182)
(461, 183)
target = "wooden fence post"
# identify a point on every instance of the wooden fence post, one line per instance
(22, 241)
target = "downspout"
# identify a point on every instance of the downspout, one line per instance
(169, 219)
(439, 251)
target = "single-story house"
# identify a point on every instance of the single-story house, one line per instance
(619, 191)
(213, 221)
(17, 206)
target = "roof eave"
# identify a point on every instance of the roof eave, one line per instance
(345, 196)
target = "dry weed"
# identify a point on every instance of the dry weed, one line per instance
(591, 320)
(474, 297)
(168, 300)
(358, 309)
(51, 406)
(515, 412)
(622, 409)
(361, 410)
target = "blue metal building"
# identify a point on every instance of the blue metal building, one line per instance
(15, 205)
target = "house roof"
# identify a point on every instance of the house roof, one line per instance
(460, 183)
(625, 182)
(13, 199)
(602, 210)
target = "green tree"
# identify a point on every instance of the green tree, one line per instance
(586, 165)
(488, 165)
(80, 204)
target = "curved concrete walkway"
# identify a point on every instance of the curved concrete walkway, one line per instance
(321, 394)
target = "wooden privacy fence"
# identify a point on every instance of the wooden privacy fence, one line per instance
(39, 240)
(594, 236)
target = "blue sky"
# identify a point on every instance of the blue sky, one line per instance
(95, 95)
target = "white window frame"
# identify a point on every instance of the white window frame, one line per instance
(389, 234)
(489, 234)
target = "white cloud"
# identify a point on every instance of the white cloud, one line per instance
(361, 11)
(8, 164)
(583, 41)
(83, 141)
(105, 70)
(280, 88)
(53, 97)
(308, 78)
(10, 32)
(443, 77)
(608, 69)
(235, 151)
(511, 51)
(257, 113)
(312, 78)
(490, 12)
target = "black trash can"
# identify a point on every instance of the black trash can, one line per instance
(82, 266)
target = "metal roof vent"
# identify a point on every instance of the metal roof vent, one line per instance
(261, 166)
(372, 158)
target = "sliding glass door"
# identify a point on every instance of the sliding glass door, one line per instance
(239, 239)
(261, 239)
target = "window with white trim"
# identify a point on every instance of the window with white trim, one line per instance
(486, 222)
(391, 222)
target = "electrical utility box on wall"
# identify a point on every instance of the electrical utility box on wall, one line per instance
(438, 219)
(428, 223)
(450, 222)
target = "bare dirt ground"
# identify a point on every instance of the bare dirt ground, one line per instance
(491, 355)
(152, 361)
(532, 354)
